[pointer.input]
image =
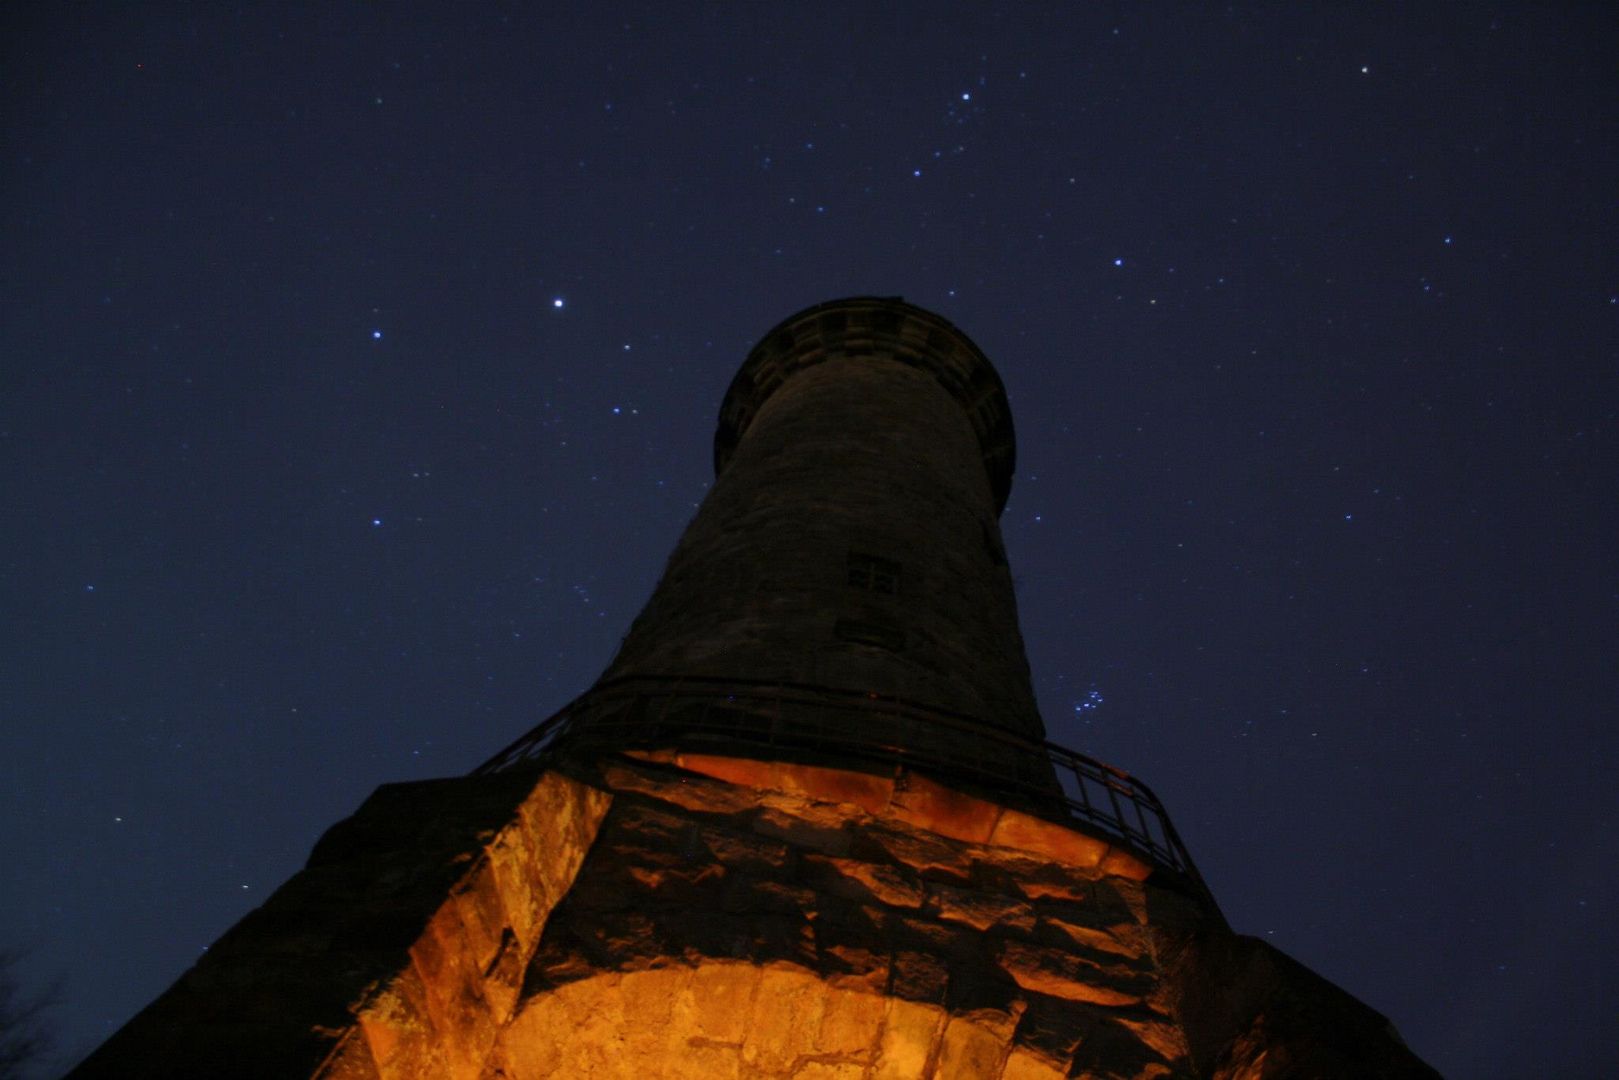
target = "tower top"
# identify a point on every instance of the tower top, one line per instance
(876, 326)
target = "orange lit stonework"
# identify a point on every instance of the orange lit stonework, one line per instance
(786, 921)
(636, 918)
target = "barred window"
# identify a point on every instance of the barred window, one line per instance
(873, 574)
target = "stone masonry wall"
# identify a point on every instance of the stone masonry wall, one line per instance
(683, 916)
(718, 930)
(860, 455)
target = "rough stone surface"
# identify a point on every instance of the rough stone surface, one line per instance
(852, 944)
(636, 919)
(863, 453)
(397, 950)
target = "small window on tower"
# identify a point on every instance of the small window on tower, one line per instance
(873, 574)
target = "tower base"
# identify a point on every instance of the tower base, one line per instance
(712, 917)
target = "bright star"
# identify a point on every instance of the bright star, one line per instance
(557, 303)
(376, 335)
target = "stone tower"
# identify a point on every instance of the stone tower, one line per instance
(805, 826)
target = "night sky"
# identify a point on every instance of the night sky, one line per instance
(359, 368)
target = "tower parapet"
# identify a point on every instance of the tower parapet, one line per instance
(880, 327)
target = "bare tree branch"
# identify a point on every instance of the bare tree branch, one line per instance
(25, 1036)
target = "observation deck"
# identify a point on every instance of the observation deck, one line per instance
(864, 732)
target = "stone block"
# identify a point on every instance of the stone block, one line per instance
(718, 1000)
(1126, 941)
(1109, 1049)
(785, 939)
(850, 1024)
(786, 1015)
(1065, 975)
(479, 912)
(852, 946)
(743, 772)
(1114, 904)
(981, 909)
(929, 805)
(659, 832)
(747, 893)
(919, 976)
(745, 851)
(647, 1000)
(398, 1031)
(828, 838)
(910, 1034)
(568, 814)
(1015, 829)
(970, 1051)
(513, 862)
(1022, 1064)
(861, 881)
(1039, 879)
(696, 1061)
(924, 954)
(1050, 1028)
(869, 792)
(683, 789)
(1156, 1031)
(929, 857)
(503, 976)
(1121, 863)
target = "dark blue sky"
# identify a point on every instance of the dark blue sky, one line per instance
(358, 368)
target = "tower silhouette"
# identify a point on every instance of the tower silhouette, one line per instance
(806, 825)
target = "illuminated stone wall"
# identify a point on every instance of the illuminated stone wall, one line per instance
(714, 917)
(719, 931)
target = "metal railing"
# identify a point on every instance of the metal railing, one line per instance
(700, 714)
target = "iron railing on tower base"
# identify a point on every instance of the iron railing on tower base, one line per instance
(762, 719)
